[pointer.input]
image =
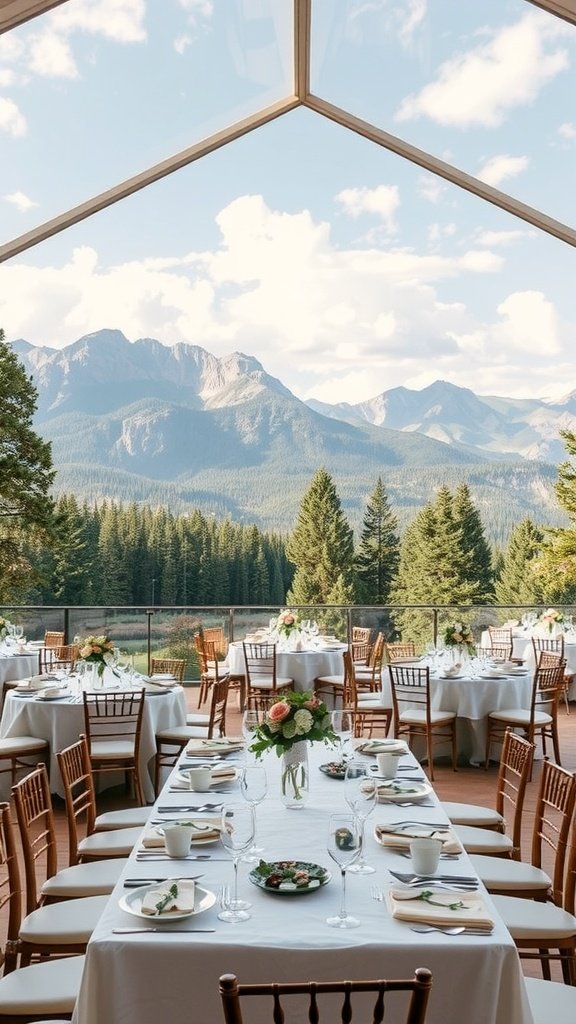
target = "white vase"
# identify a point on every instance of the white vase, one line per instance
(295, 776)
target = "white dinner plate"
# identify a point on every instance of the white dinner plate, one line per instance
(132, 904)
(398, 792)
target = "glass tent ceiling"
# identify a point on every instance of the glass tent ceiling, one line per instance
(272, 57)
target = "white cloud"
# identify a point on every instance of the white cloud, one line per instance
(498, 168)
(431, 188)
(119, 20)
(334, 322)
(567, 130)
(51, 57)
(21, 201)
(492, 238)
(382, 201)
(482, 85)
(11, 120)
(181, 43)
(7, 77)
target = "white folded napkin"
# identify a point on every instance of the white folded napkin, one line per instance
(454, 670)
(440, 907)
(39, 682)
(387, 835)
(226, 773)
(225, 745)
(169, 898)
(383, 746)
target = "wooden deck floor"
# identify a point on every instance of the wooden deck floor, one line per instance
(467, 784)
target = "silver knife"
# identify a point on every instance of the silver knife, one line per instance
(166, 931)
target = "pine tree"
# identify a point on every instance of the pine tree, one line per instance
(321, 547)
(26, 476)
(517, 582)
(556, 566)
(378, 554)
(475, 548)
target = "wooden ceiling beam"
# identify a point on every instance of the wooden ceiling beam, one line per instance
(16, 12)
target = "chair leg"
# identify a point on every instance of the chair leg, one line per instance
(429, 751)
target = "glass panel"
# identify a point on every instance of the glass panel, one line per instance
(487, 86)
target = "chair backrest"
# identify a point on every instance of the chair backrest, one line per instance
(417, 990)
(52, 638)
(208, 659)
(548, 659)
(410, 684)
(260, 661)
(215, 635)
(37, 830)
(10, 889)
(376, 656)
(406, 649)
(552, 819)
(79, 794)
(552, 644)
(547, 688)
(361, 635)
(495, 651)
(62, 657)
(513, 776)
(218, 704)
(173, 666)
(114, 716)
(501, 636)
(360, 651)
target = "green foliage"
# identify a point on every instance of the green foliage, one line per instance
(26, 477)
(556, 565)
(378, 554)
(517, 581)
(321, 547)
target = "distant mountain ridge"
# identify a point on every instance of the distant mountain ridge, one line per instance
(136, 421)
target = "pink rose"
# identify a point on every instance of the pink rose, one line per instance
(289, 620)
(314, 702)
(279, 711)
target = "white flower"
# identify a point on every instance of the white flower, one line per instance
(303, 721)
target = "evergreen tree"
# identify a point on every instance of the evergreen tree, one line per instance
(26, 476)
(557, 562)
(321, 547)
(475, 547)
(379, 550)
(517, 582)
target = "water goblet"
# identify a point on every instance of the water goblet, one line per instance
(237, 836)
(253, 786)
(342, 725)
(360, 793)
(344, 846)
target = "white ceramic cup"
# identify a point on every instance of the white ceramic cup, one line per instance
(199, 779)
(425, 854)
(177, 839)
(388, 765)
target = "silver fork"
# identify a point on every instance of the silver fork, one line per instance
(377, 894)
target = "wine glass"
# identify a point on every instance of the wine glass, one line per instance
(237, 836)
(344, 846)
(253, 786)
(342, 724)
(250, 722)
(18, 632)
(360, 793)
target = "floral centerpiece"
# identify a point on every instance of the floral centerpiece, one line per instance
(97, 650)
(459, 634)
(551, 618)
(287, 622)
(288, 724)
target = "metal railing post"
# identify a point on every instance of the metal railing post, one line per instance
(149, 614)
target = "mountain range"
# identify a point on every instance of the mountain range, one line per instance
(145, 422)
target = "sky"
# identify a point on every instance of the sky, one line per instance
(343, 268)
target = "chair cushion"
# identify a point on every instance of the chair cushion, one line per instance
(529, 919)
(195, 719)
(419, 717)
(498, 873)
(50, 987)
(471, 814)
(117, 843)
(95, 879)
(70, 922)
(266, 683)
(328, 681)
(522, 716)
(129, 817)
(482, 840)
(373, 702)
(551, 1000)
(180, 734)
(14, 744)
(104, 750)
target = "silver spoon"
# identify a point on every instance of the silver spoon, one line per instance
(455, 930)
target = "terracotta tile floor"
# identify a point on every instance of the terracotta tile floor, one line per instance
(467, 784)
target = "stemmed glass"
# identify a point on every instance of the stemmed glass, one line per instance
(237, 836)
(250, 722)
(360, 792)
(344, 846)
(342, 725)
(253, 786)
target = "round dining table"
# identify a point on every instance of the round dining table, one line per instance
(61, 721)
(302, 666)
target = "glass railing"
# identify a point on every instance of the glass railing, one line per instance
(161, 631)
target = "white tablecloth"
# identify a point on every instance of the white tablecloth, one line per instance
(147, 979)
(60, 722)
(17, 666)
(522, 648)
(301, 666)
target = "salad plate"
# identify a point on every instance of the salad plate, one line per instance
(289, 877)
(132, 902)
(396, 792)
(334, 769)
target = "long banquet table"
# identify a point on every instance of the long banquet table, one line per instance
(60, 722)
(147, 978)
